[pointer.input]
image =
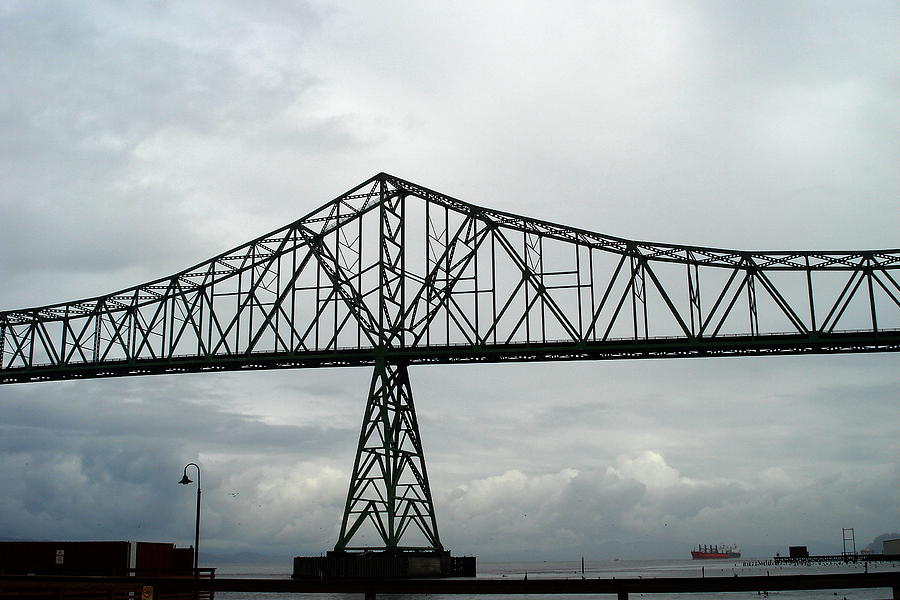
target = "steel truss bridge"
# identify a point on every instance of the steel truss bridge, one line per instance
(393, 274)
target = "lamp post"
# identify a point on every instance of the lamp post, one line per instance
(185, 480)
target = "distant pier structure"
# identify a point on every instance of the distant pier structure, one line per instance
(799, 555)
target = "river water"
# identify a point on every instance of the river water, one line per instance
(602, 569)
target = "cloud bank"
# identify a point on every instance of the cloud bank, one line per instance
(139, 139)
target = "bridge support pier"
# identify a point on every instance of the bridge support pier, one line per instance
(389, 488)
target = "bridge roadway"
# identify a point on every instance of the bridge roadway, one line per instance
(118, 587)
(660, 347)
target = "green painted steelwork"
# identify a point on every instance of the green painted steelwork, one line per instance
(393, 274)
(396, 267)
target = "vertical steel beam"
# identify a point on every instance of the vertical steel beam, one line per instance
(639, 297)
(693, 290)
(751, 302)
(869, 268)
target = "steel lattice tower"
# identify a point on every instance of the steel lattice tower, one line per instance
(389, 485)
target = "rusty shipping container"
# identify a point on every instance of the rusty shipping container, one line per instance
(116, 558)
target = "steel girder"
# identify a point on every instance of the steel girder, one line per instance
(390, 264)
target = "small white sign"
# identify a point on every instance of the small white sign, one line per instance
(60, 556)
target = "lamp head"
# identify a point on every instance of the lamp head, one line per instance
(185, 480)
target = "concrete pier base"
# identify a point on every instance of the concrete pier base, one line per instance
(383, 565)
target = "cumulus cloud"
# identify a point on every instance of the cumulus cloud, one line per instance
(101, 460)
(124, 122)
(643, 506)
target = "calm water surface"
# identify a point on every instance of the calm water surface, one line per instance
(593, 569)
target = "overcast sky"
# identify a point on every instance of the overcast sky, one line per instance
(139, 138)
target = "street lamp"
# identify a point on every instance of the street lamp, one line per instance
(185, 480)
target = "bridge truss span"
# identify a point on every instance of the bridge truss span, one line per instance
(392, 274)
(394, 267)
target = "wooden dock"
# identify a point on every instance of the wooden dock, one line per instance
(835, 559)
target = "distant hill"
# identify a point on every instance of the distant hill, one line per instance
(876, 545)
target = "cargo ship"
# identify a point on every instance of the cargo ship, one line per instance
(717, 551)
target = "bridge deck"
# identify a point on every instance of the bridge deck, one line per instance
(659, 347)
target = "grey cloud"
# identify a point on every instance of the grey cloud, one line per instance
(571, 513)
(100, 465)
(79, 413)
(102, 100)
(774, 42)
(141, 138)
